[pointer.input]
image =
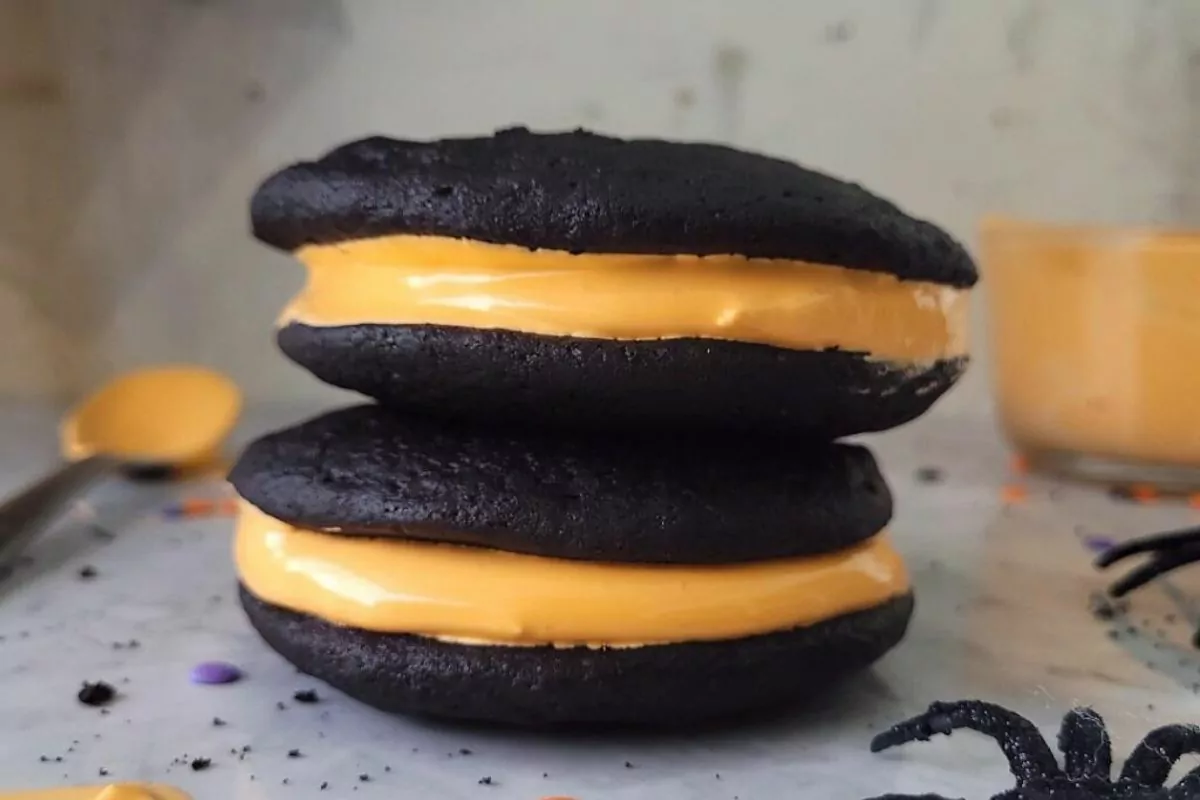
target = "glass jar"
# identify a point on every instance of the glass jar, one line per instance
(1095, 336)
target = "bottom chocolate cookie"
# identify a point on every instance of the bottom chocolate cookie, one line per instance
(660, 685)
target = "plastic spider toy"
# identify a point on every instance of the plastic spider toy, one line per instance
(1086, 773)
(1167, 551)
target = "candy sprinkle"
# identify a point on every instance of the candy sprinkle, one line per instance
(215, 672)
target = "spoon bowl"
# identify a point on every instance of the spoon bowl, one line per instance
(149, 423)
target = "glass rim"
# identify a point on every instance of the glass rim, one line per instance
(994, 228)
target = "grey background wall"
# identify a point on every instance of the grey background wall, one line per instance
(132, 131)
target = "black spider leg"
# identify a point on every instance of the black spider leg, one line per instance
(1029, 757)
(1169, 551)
(1084, 742)
(1153, 759)
(1188, 787)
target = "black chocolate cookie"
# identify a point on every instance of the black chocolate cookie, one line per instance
(660, 685)
(681, 384)
(677, 499)
(582, 192)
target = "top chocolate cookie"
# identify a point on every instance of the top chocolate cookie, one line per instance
(583, 192)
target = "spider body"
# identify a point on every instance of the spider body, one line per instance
(1086, 771)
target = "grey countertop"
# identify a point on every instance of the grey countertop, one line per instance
(1003, 614)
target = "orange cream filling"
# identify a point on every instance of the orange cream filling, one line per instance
(436, 280)
(115, 791)
(487, 596)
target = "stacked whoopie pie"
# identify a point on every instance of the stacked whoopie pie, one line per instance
(600, 483)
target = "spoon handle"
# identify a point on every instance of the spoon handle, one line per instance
(28, 513)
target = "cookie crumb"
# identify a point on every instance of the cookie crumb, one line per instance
(201, 764)
(279, 705)
(218, 722)
(463, 751)
(628, 765)
(103, 771)
(293, 753)
(486, 780)
(87, 572)
(305, 696)
(324, 785)
(930, 475)
(364, 777)
(96, 694)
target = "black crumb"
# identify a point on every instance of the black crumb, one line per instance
(280, 705)
(96, 694)
(1120, 493)
(305, 696)
(200, 764)
(387, 768)
(364, 777)
(324, 785)
(717, 776)
(930, 475)
(545, 774)
(284, 781)
(1105, 609)
(218, 722)
(293, 753)
(103, 771)
(628, 765)
(87, 572)
(464, 752)
(486, 780)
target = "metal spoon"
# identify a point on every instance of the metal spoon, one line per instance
(150, 422)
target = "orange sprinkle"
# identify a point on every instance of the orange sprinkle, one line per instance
(1194, 500)
(1013, 493)
(1143, 493)
(197, 507)
(1020, 464)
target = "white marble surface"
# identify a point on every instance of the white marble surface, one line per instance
(1003, 615)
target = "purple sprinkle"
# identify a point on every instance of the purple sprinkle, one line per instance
(1099, 544)
(211, 672)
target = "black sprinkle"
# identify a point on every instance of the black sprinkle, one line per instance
(280, 705)
(293, 753)
(284, 781)
(96, 694)
(364, 777)
(218, 722)
(87, 572)
(324, 785)
(43, 759)
(545, 774)
(103, 771)
(387, 768)
(305, 696)
(717, 776)
(200, 764)
(486, 780)
(464, 752)
(628, 765)
(930, 475)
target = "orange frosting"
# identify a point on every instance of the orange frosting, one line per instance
(487, 596)
(408, 279)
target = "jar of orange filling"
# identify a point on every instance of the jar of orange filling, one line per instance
(1096, 349)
